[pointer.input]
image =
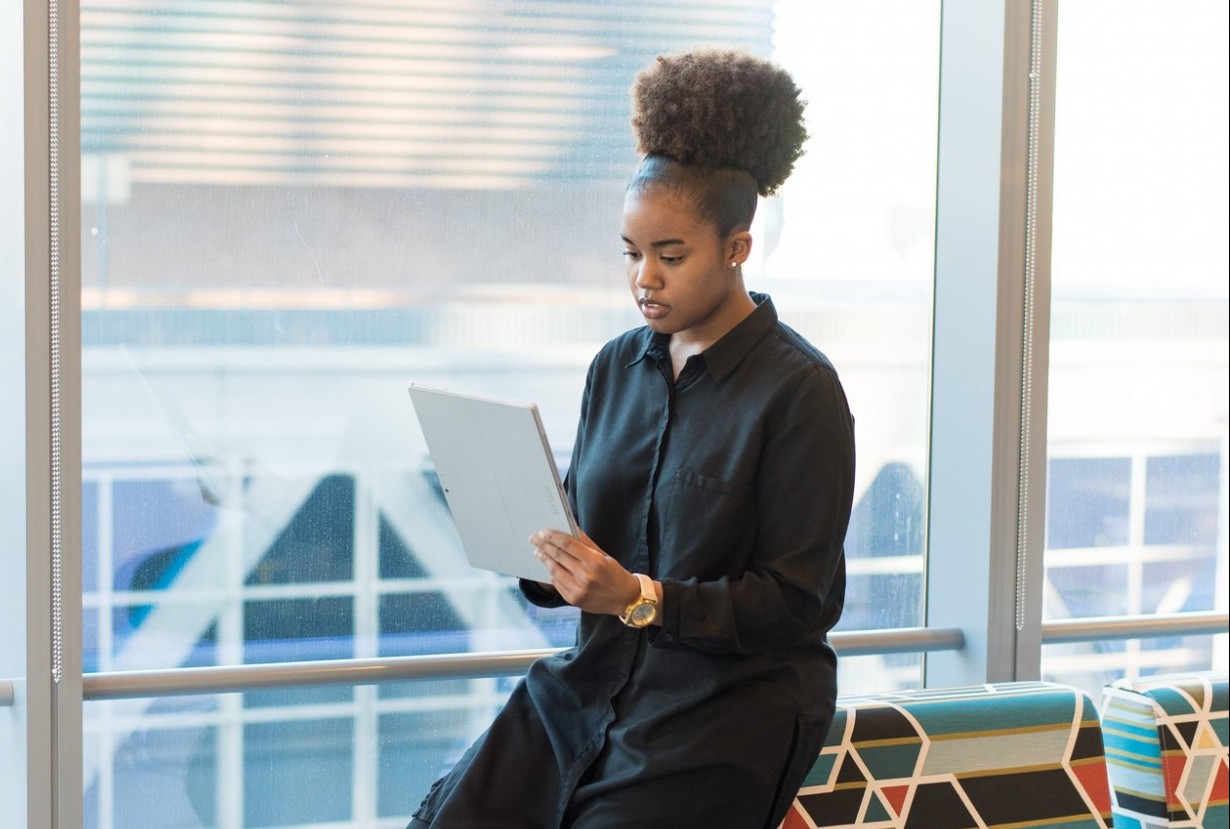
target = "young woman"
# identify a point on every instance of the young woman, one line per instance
(712, 472)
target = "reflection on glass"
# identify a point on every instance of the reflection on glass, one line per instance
(1088, 500)
(287, 219)
(291, 213)
(205, 761)
(1136, 491)
(174, 767)
(1181, 494)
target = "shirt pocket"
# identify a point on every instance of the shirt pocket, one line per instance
(707, 524)
(690, 478)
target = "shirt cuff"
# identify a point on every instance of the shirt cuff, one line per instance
(539, 594)
(668, 633)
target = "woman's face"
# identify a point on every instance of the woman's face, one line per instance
(679, 269)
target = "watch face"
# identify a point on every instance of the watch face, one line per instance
(642, 615)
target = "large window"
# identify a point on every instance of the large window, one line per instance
(290, 213)
(1136, 514)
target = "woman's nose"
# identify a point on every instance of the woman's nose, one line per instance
(647, 275)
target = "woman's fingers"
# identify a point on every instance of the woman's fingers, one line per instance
(557, 545)
(583, 574)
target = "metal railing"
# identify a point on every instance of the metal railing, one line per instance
(183, 681)
(236, 678)
(1098, 628)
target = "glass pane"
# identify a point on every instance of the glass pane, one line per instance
(1181, 495)
(290, 216)
(216, 761)
(849, 252)
(16, 733)
(291, 212)
(1089, 666)
(1087, 502)
(1136, 513)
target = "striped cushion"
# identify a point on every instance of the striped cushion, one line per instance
(1166, 750)
(1016, 754)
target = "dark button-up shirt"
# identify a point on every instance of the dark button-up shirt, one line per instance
(732, 485)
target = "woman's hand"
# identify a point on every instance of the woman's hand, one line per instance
(584, 575)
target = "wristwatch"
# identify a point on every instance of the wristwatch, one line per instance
(644, 610)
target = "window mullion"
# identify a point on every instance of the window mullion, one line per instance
(988, 392)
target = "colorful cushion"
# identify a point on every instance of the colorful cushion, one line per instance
(1015, 754)
(1166, 750)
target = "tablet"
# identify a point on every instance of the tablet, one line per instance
(498, 476)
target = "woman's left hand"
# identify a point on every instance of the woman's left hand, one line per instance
(584, 575)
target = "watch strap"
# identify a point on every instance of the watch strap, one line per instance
(649, 596)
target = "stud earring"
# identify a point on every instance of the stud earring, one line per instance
(734, 264)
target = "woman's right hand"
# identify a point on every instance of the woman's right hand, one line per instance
(584, 575)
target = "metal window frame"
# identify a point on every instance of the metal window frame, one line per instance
(984, 569)
(50, 691)
(991, 327)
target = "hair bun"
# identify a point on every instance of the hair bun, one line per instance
(720, 109)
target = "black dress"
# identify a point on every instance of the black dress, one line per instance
(732, 485)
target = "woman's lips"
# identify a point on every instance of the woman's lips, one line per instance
(651, 310)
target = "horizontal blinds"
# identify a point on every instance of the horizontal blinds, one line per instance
(447, 94)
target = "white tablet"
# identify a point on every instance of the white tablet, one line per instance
(498, 475)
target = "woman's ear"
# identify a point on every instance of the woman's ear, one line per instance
(738, 247)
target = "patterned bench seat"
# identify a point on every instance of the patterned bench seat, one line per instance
(1015, 754)
(1166, 751)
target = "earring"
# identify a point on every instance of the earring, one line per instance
(734, 264)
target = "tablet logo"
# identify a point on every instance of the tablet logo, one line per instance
(551, 501)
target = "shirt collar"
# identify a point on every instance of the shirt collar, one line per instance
(723, 356)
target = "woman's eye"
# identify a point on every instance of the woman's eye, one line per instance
(672, 260)
(631, 255)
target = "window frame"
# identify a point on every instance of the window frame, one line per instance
(986, 459)
(987, 453)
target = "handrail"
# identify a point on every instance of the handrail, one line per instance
(232, 678)
(216, 680)
(896, 640)
(183, 681)
(1093, 628)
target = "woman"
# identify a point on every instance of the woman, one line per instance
(713, 472)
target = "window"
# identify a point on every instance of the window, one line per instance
(289, 216)
(1138, 377)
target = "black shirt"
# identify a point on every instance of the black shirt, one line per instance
(732, 485)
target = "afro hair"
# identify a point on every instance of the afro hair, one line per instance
(720, 109)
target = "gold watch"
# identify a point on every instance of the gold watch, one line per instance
(644, 610)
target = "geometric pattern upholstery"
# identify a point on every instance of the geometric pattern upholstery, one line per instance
(1166, 750)
(1012, 754)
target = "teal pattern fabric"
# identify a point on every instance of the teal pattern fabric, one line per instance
(1166, 746)
(1016, 754)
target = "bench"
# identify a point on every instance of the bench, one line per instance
(1166, 739)
(1024, 754)
(1015, 754)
